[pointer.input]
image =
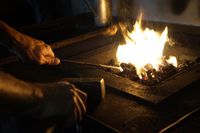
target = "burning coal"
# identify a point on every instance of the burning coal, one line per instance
(144, 50)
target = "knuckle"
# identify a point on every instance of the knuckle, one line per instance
(48, 47)
(40, 57)
(40, 42)
(64, 83)
(72, 92)
(38, 49)
(40, 60)
(73, 86)
(41, 48)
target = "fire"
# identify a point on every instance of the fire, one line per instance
(144, 47)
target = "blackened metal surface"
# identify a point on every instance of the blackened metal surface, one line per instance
(120, 111)
(93, 87)
(154, 94)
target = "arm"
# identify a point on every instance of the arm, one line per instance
(41, 100)
(26, 47)
(15, 93)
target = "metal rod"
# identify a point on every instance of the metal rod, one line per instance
(101, 66)
(179, 120)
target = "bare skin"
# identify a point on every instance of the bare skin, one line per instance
(48, 100)
(26, 47)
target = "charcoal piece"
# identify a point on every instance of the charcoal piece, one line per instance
(170, 67)
(129, 74)
(187, 63)
(180, 67)
(183, 64)
(135, 78)
(128, 67)
(169, 70)
(150, 76)
(155, 73)
(151, 72)
(129, 71)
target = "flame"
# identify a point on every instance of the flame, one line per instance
(143, 47)
(172, 60)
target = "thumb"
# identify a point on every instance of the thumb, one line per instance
(52, 60)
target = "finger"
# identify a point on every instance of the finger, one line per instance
(82, 105)
(82, 95)
(79, 112)
(47, 60)
(40, 60)
(80, 102)
(43, 49)
(46, 50)
(51, 60)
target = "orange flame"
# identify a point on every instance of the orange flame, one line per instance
(143, 47)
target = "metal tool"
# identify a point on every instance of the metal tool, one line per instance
(114, 69)
(93, 87)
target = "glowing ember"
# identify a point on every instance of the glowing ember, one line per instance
(144, 47)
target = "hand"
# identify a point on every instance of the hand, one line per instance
(26, 47)
(53, 100)
(63, 99)
(30, 49)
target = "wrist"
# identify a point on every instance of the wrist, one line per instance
(3, 25)
(19, 90)
(6, 35)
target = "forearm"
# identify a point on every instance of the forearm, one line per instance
(6, 35)
(28, 49)
(10, 37)
(3, 35)
(14, 93)
(41, 101)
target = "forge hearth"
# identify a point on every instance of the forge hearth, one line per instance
(152, 77)
(150, 93)
(166, 85)
(119, 110)
(180, 79)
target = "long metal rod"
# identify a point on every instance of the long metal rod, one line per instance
(179, 120)
(101, 66)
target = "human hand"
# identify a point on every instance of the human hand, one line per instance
(31, 49)
(63, 99)
(28, 48)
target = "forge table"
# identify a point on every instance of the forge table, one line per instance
(118, 112)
